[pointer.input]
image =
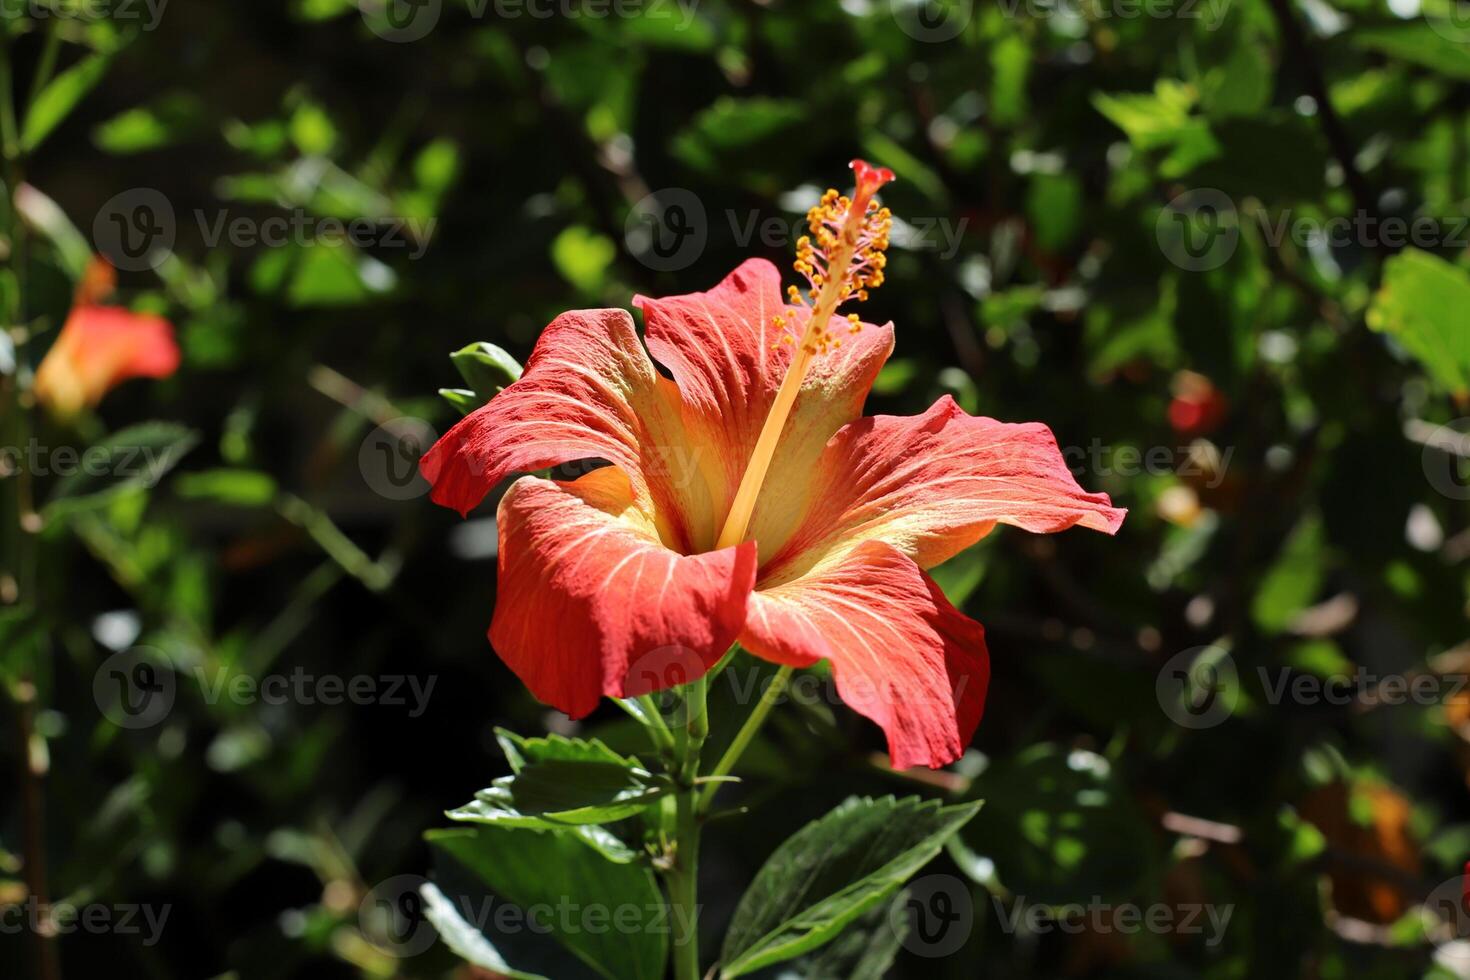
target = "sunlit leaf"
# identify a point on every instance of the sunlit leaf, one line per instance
(831, 872)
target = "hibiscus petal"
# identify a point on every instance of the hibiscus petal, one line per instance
(588, 391)
(931, 485)
(100, 347)
(901, 654)
(591, 603)
(725, 353)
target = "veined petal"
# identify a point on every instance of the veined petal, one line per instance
(100, 347)
(588, 391)
(901, 654)
(725, 353)
(931, 485)
(591, 603)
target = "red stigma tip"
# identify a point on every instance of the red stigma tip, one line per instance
(869, 177)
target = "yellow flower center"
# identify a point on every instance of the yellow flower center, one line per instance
(841, 260)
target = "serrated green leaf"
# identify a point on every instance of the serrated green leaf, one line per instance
(520, 750)
(132, 458)
(492, 813)
(831, 872)
(576, 792)
(558, 870)
(1422, 303)
(866, 950)
(542, 795)
(568, 781)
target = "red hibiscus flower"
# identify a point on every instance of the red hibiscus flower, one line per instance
(99, 347)
(748, 500)
(1198, 407)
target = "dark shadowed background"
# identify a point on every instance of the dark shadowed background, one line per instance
(1219, 246)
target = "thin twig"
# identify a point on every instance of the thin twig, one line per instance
(43, 938)
(1313, 80)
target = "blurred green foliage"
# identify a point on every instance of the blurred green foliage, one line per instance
(1220, 247)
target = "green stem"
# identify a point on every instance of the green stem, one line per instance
(47, 65)
(683, 873)
(9, 131)
(753, 724)
(644, 710)
(18, 572)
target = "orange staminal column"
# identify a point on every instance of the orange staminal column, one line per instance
(841, 260)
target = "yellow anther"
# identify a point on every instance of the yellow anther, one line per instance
(850, 234)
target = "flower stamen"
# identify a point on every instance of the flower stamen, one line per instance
(841, 260)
